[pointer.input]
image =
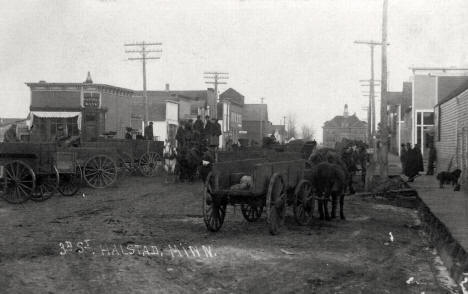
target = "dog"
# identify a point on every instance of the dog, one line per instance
(449, 178)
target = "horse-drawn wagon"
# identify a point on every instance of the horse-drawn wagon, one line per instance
(275, 180)
(132, 155)
(36, 171)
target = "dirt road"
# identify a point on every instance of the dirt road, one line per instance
(143, 236)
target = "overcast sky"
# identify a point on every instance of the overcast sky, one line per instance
(299, 55)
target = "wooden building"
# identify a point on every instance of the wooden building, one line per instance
(86, 109)
(451, 132)
(167, 107)
(344, 126)
(230, 107)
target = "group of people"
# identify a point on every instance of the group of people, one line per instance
(411, 161)
(195, 142)
(148, 135)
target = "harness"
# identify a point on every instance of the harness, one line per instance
(169, 153)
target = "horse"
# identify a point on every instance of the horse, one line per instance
(170, 161)
(329, 181)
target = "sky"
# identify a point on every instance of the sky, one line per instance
(299, 55)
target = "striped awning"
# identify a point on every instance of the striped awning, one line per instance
(55, 114)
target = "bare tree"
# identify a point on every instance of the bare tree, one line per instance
(307, 132)
(291, 127)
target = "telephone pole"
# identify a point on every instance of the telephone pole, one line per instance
(215, 78)
(261, 121)
(372, 83)
(384, 132)
(371, 107)
(144, 49)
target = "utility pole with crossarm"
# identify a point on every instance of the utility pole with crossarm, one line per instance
(144, 49)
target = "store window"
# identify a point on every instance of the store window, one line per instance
(193, 110)
(424, 136)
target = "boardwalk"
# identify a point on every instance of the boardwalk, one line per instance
(450, 207)
(445, 213)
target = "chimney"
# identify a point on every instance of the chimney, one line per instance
(345, 114)
(167, 87)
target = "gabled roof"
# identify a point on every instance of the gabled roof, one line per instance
(233, 96)
(462, 88)
(280, 128)
(255, 112)
(340, 121)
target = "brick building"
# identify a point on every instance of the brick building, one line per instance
(451, 131)
(86, 109)
(344, 126)
(255, 123)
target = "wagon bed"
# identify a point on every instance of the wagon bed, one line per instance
(276, 180)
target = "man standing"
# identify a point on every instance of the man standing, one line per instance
(149, 132)
(403, 154)
(215, 133)
(198, 125)
(432, 159)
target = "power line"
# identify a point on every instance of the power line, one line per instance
(144, 50)
(372, 84)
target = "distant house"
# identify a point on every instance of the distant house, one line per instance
(279, 132)
(451, 131)
(344, 126)
(255, 123)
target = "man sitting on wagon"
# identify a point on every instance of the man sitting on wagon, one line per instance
(10, 134)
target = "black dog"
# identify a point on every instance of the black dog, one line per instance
(448, 177)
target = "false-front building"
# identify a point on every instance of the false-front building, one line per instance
(85, 109)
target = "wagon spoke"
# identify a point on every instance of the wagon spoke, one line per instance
(106, 176)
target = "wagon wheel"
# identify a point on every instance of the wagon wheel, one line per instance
(150, 164)
(303, 203)
(251, 211)
(69, 183)
(213, 210)
(46, 186)
(19, 182)
(100, 171)
(276, 203)
(125, 164)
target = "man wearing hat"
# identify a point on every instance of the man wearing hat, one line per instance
(149, 132)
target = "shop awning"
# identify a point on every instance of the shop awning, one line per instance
(55, 114)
